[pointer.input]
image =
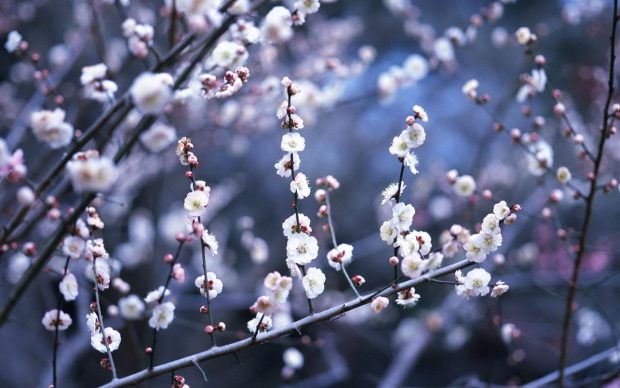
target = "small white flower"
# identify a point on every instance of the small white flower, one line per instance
(388, 232)
(50, 127)
(407, 297)
(470, 88)
(379, 303)
(491, 241)
(399, 147)
(313, 282)
(151, 92)
(293, 142)
(540, 158)
(158, 137)
(265, 324)
(474, 248)
(476, 282)
(210, 242)
(131, 307)
(213, 284)
(283, 166)
(153, 297)
(196, 201)
(69, 287)
(411, 161)
(228, 55)
(90, 172)
(523, 35)
(13, 41)
(490, 224)
(501, 210)
(289, 226)
(407, 244)
(412, 265)
(53, 319)
(341, 256)
(389, 193)
(415, 67)
(420, 113)
(112, 337)
(163, 314)
(300, 185)
(73, 246)
(292, 357)
(563, 175)
(500, 288)
(92, 322)
(301, 249)
(464, 186)
(277, 26)
(402, 216)
(307, 6)
(414, 135)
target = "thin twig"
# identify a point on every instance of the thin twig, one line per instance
(572, 287)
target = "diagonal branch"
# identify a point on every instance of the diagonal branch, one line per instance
(294, 327)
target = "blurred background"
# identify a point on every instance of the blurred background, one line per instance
(343, 58)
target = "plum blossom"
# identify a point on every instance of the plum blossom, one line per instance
(50, 127)
(213, 284)
(54, 319)
(163, 314)
(91, 172)
(301, 248)
(151, 92)
(379, 304)
(69, 287)
(112, 337)
(475, 283)
(313, 282)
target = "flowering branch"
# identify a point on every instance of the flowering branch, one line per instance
(206, 45)
(181, 239)
(294, 327)
(100, 318)
(603, 136)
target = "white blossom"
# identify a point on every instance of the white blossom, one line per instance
(313, 282)
(163, 314)
(73, 246)
(90, 172)
(214, 285)
(196, 201)
(411, 161)
(277, 26)
(210, 242)
(158, 137)
(379, 303)
(151, 92)
(501, 210)
(131, 307)
(292, 142)
(402, 215)
(300, 185)
(292, 357)
(563, 175)
(464, 186)
(412, 265)
(283, 166)
(414, 135)
(399, 147)
(389, 193)
(265, 323)
(50, 127)
(289, 226)
(407, 297)
(52, 320)
(475, 283)
(112, 337)
(475, 248)
(13, 41)
(301, 248)
(340, 256)
(388, 231)
(228, 54)
(68, 287)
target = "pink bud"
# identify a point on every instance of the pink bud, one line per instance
(393, 261)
